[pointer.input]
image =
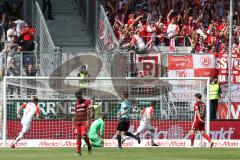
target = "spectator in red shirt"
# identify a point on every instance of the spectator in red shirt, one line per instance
(27, 35)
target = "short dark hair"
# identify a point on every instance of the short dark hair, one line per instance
(34, 99)
(198, 95)
(78, 93)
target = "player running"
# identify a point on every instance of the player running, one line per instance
(81, 121)
(30, 109)
(146, 116)
(96, 131)
(198, 121)
(124, 121)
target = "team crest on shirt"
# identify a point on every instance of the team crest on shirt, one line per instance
(206, 61)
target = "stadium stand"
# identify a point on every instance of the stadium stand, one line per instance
(17, 39)
(203, 25)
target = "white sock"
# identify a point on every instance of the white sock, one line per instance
(19, 137)
(152, 137)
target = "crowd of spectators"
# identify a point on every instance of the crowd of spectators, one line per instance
(17, 39)
(201, 24)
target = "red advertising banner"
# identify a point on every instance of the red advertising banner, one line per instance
(180, 66)
(54, 129)
(225, 112)
(191, 66)
(180, 62)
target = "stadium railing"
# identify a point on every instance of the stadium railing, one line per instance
(50, 60)
(106, 41)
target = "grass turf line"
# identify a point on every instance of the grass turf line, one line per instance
(124, 154)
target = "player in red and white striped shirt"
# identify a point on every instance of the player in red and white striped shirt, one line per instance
(30, 109)
(199, 120)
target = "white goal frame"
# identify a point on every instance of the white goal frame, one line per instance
(6, 78)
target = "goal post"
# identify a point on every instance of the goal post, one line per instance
(173, 113)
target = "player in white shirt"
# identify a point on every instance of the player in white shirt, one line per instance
(30, 109)
(146, 115)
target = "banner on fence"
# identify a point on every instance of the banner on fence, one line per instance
(191, 66)
(148, 65)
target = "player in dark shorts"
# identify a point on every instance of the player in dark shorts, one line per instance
(124, 121)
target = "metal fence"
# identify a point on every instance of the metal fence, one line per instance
(50, 60)
(19, 63)
(106, 42)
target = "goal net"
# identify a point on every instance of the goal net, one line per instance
(172, 117)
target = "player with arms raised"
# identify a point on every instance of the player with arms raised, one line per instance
(199, 120)
(30, 109)
(81, 121)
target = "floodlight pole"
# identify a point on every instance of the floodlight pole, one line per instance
(230, 57)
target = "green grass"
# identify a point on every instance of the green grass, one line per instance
(124, 154)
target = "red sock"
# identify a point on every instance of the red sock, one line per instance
(87, 140)
(207, 137)
(79, 143)
(192, 136)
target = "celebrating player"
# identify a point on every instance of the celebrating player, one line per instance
(96, 132)
(30, 109)
(146, 116)
(198, 122)
(124, 121)
(81, 121)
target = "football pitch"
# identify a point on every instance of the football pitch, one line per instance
(124, 154)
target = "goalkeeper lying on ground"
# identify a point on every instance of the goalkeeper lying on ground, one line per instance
(96, 132)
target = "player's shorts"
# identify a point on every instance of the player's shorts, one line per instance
(144, 126)
(123, 124)
(81, 129)
(198, 126)
(26, 127)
